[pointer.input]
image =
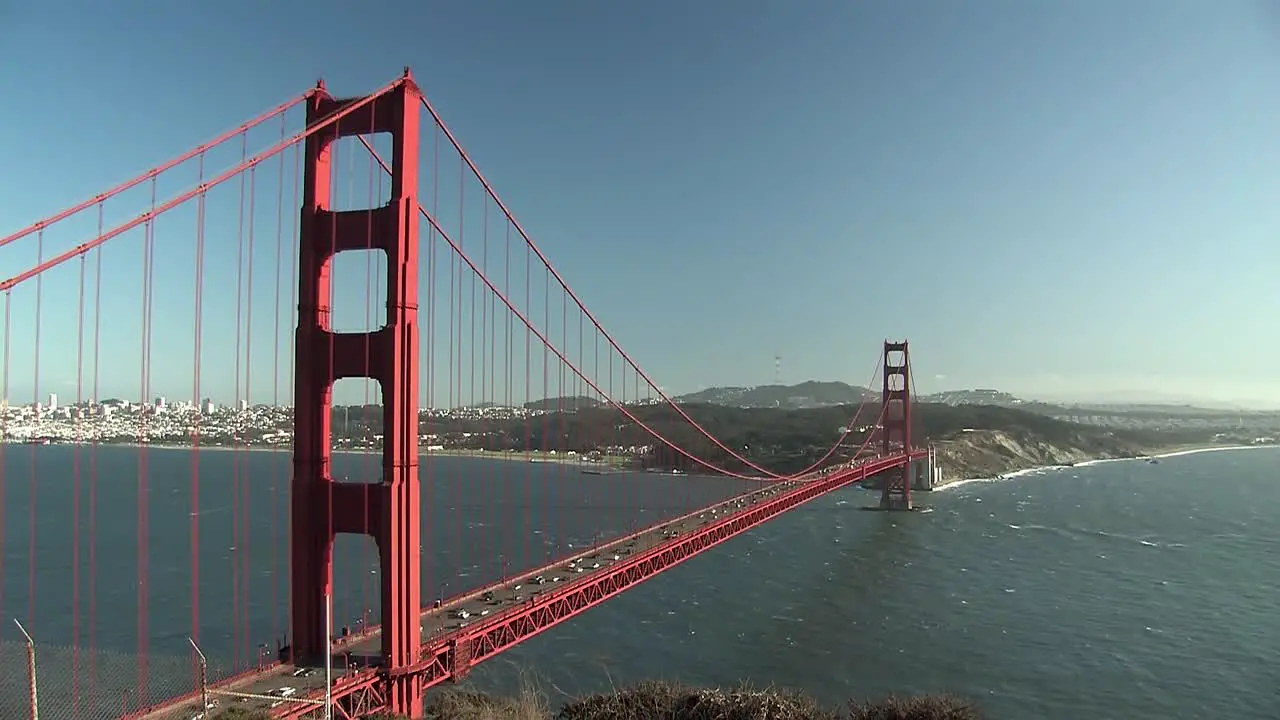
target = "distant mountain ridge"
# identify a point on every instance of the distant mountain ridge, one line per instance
(813, 394)
(805, 395)
(817, 394)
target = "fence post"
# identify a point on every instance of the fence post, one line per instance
(204, 677)
(31, 670)
(328, 653)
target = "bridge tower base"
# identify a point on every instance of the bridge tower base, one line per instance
(895, 420)
(923, 474)
(389, 510)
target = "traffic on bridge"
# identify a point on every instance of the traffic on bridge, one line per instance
(473, 323)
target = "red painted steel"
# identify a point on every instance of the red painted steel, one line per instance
(896, 421)
(155, 171)
(640, 374)
(235, 171)
(389, 510)
(621, 407)
(450, 657)
(323, 507)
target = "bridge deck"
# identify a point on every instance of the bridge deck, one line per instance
(439, 623)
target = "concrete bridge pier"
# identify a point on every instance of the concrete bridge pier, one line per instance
(895, 502)
(921, 475)
(924, 472)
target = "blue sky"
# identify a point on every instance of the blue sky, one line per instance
(1066, 199)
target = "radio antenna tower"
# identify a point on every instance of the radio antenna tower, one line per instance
(777, 369)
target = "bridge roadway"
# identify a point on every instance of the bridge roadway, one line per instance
(438, 623)
(494, 610)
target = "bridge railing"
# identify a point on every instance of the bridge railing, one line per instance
(150, 401)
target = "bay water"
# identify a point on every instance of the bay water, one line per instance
(1114, 590)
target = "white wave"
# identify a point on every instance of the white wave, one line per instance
(1102, 461)
(1007, 476)
(1224, 448)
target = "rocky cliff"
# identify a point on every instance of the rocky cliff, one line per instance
(988, 453)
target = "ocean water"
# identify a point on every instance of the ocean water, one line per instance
(1116, 590)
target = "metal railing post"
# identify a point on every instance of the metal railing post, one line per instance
(204, 676)
(328, 656)
(31, 670)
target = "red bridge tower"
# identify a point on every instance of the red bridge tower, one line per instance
(896, 421)
(389, 510)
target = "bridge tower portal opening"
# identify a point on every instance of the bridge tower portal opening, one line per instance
(320, 508)
(896, 423)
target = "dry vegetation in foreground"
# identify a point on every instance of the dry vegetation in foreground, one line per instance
(671, 701)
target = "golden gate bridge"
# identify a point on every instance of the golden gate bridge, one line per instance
(194, 273)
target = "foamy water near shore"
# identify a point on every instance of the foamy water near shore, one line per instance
(1046, 469)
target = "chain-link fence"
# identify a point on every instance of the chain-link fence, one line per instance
(75, 684)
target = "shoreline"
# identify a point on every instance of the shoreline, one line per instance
(620, 465)
(529, 456)
(1158, 454)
